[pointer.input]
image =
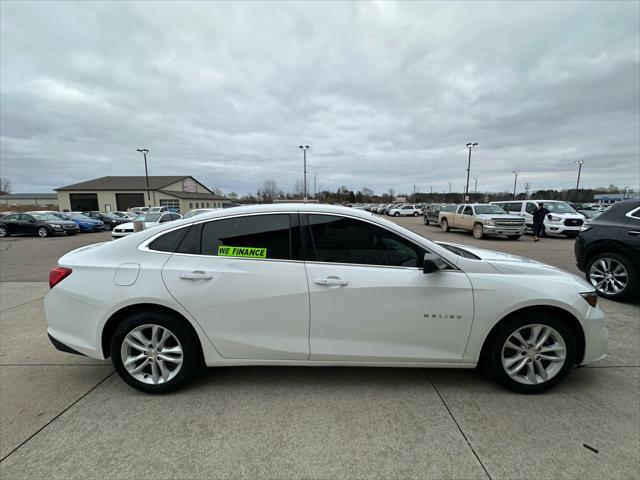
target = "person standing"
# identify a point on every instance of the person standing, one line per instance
(539, 215)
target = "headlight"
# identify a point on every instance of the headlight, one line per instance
(585, 227)
(488, 222)
(590, 297)
(555, 219)
(56, 226)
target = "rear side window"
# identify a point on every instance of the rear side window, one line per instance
(169, 241)
(257, 236)
(348, 240)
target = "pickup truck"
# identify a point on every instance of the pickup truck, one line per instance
(482, 219)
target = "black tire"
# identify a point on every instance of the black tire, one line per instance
(478, 231)
(444, 225)
(415, 214)
(493, 351)
(42, 232)
(632, 289)
(397, 214)
(191, 360)
(426, 221)
(3, 232)
(513, 237)
(108, 227)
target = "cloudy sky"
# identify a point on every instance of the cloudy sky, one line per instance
(386, 94)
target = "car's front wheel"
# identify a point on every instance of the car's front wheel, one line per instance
(613, 276)
(154, 352)
(43, 232)
(397, 214)
(3, 232)
(108, 227)
(415, 214)
(532, 353)
(478, 231)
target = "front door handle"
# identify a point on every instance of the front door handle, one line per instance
(634, 233)
(332, 281)
(196, 275)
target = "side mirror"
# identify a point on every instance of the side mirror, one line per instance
(432, 263)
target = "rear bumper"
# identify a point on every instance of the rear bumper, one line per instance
(62, 347)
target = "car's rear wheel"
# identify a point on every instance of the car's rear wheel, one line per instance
(613, 276)
(444, 225)
(478, 231)
(415, 214)
(532, 353)
(43, 232)
(154, 352)
(426, 221)
(513, 237)
(3, 232)
(108, 227)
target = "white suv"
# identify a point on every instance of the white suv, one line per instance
(316, 285)
(562, 219)
(405, 211)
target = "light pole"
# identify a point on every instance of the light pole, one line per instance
(144, 152)
(515, 181)
(466, 189)
(475, 186)
(449, 187)
(315, 178)
(579, 162)
(304, 149)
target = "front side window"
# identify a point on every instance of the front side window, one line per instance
(530, 207)
(256, 236)
(347, 240)
(513, 207)
(467, 211)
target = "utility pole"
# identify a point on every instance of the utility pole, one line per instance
(515, 181)
(466, 189)
(579, 162)
(414, 193)
(475, 186)
(144, 152)
(304, 149)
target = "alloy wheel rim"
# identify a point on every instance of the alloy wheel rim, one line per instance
(42, 232)
(152, 354)
(609, 276)
(3, 232)
(477, 231)
(533, 354)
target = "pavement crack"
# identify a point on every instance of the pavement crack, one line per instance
(54, 418)
(21, 305)
(458, 425)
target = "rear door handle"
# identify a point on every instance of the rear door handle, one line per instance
(196, 275)
(331, 281)
(634, 233)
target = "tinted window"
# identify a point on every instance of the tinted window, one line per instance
(191, 242)
(460, 208)
(259, 236)
(513, 207)
(530, 207)
(347, 240)
(11, 218)
(468, 211)
(169, 241)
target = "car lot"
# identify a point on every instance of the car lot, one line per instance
(68, 416)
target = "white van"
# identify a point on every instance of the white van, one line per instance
(564, 219)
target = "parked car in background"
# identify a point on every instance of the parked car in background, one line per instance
(563, 219)
(198, 211)
(149, 220)
(589, 215)
(110, 220)
(36, 223)
(432, 212)
(138, 210)
(608, 251)
(4, 214)
(230, 287)
(483, 219)
(158, 209)
(79, 217)
(406, 211)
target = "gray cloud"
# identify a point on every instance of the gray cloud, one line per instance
(387, 94)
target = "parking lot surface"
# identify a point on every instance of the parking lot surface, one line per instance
(66, 416)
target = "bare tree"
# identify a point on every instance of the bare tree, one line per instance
(392, 193)
(233, 195)
(298, 188)
(218, 191)
(367, 193)
(269, 191)
(5, 186)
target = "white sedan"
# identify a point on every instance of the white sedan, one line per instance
(316, 285)
(149, 220)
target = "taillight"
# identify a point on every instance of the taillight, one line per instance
(57, 275)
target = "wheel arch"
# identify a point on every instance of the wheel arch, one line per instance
(611, 246)
(117, 317)
(567, 317)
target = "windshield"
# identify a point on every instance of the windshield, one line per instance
(149, 217)
(78, 216)
(559, 207)
(45, 217)
(489, 209)
(110, 215)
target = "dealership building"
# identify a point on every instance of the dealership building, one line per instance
(105, 194)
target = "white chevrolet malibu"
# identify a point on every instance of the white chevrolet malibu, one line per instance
(316, 285)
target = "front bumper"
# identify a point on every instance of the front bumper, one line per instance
(494, 230)
(596, 336)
